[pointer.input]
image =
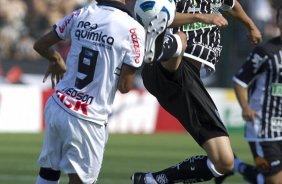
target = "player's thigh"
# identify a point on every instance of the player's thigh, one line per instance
(83, 149)
(272, 153)
(74, 179)
(220, 152)
(262, 165)
(274, 179)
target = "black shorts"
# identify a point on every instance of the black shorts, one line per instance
(184, 96)
(268, 153)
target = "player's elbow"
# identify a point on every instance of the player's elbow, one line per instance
(123, 88)
(38, 47)
(123, 91)
(126, 80)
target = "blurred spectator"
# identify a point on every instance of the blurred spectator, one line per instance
(12, 15)
(272, 29)
(37, 21)
(262, 13)
(14, 75)
(23, 48)
(1, 74)
(23, 21)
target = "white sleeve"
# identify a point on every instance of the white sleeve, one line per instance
(135, 47)
(64, 26)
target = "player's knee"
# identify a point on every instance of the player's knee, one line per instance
(183, 39)
(225, 165)
(49, 174)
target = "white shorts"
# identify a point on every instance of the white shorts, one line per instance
(72, 145)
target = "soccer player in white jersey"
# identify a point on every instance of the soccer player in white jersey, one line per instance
(174, 79)
(107, 47)
(258, 87)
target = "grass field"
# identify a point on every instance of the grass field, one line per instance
(124, 155)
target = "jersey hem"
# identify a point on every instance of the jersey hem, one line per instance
(263, 139)
(99, 122)
(210, 65)
(238, 81)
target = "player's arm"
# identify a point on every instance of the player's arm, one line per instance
(126, 79)
(57, 65)
(187, 18)
(238, 13)
(241, 93)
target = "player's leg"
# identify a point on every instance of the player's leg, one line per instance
(249, 172)
(174, 46)
(196, 168)
(220, 154)
(155, 33)
(48, 176)
(90, 143)
(62, 143)
(272, 158)
(219, 160)
(51, 148)
(200, 119)
(274, 179)
(74, 179)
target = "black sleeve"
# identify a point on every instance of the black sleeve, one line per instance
(253, 66)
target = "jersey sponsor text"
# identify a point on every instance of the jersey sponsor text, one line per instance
(72, 103)
(277, 89)
(196, 25)
(87, 31)
(136, 45)
(78, 95)
(67, 21)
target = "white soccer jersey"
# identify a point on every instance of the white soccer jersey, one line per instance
(104, 37)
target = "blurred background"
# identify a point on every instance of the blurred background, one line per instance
(24, 21)
(144, 136)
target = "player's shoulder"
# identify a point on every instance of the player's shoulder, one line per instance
(271, 46)
(134, 31)
(76, 13)
(128, 22)
(135, 23)
(128, 19)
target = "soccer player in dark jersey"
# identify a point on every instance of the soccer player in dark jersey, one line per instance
(177, 85)
(258, 87)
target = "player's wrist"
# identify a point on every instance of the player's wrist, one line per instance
(198, 17)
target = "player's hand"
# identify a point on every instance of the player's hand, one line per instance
(255, 36)
(57, 70)
(248, 114)
(216, 19)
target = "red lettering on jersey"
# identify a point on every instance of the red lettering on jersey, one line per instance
(64, 100)
(72, 103)
(136, 45)
(67, 21)
(81, 105)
